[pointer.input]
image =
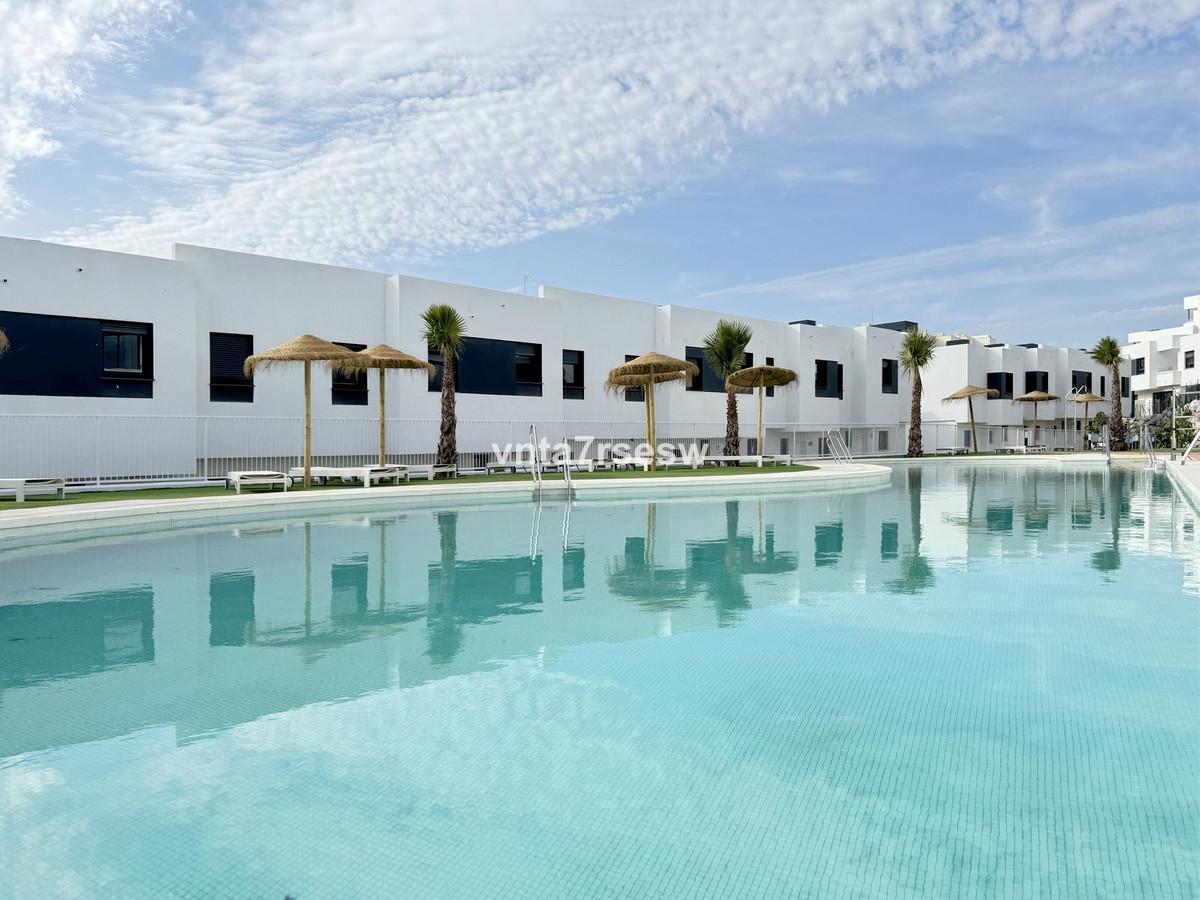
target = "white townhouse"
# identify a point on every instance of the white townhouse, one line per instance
(1012, 370)
(1163, 362)
(124, 366)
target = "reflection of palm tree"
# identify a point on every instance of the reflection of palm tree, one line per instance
(1109, 558)
(721, 566)
(445, 633)
(915, 572)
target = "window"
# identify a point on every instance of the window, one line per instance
(1037, 381)
(1002, 382)
(349, 390)
(634, 394)
(828, 380)
(771, 389)
(1124, 386)
(487, 366)
(890, 383)
(69, 356)
(708, 379)
(1189, 359)
(882, 440)
(124, 348)
(1081, 382)
(1139, 366)
(572, 373)
(1103, 386)
(227, 382)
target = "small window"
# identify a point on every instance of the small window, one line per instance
(695, 356)
(1081, 382)
(1103, 386)
(349, 390)
(572, 374)
(528, 361)
(227, 381)
(771, 389)
(1189, 359)
(125, 349)
(1002, 382)
(1124, 386)
(882, 440)
(828, 379)
(1037, 381)
(634, 394)
(1139, 366)
(890, 383)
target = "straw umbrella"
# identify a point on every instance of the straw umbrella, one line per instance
(646, 371)
(383, 357)
(761, 377)
(1087, 398)
(305, 349)
(1035, 397)
(968, 393)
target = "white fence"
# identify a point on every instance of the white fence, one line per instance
(97, 449)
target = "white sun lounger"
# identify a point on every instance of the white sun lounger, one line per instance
(432, 472)
(368, 475)
(238, 480)
(23, 486)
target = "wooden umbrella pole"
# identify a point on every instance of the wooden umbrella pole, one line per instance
(1035, 424)
(974, 437)
(651, 437)
(761, 390)
(382, 418)
(307, 423)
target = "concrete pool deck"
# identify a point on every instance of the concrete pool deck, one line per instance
(25, 525)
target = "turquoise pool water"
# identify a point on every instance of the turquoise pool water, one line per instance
(975, 683)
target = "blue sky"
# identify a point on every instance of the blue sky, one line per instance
(1031, 170)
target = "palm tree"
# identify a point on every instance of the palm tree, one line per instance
(916, 353)
(725, 351)
(1107, 352)
(443, 332)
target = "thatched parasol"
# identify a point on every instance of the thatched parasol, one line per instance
(1086, 399)
(1035, 397)
(968, 393)
(305, 349)
(383, 357)
(646, 371)
(761, 377)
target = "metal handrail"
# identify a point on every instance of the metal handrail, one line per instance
(1107, 443)
(836, 444)
(535, 465)
(1190, 448)
(1148, 441)
(566, 464)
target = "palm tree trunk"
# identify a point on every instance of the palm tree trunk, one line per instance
(914, 427)
(447, 453)
(732, 441)
(1116, 424)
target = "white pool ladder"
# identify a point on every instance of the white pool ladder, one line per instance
(835, 443)
(535, 463)
(1148, 442)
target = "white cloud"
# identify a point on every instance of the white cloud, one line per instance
(48, 52)
(344, 132)
(1103, 276)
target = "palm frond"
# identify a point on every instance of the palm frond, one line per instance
(444, 328)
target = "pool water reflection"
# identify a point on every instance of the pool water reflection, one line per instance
(980, 681)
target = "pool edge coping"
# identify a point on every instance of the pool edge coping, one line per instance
(80, 518)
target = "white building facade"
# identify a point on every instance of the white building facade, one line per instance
(1163, 362)
(124, 366)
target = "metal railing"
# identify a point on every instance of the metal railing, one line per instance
(566, 464)
(1147, 441)
(1190, 447)
(535, 463)
(837, 446)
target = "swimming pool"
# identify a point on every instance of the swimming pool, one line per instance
(977, 682)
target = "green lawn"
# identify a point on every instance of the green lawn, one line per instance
(182, 493)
